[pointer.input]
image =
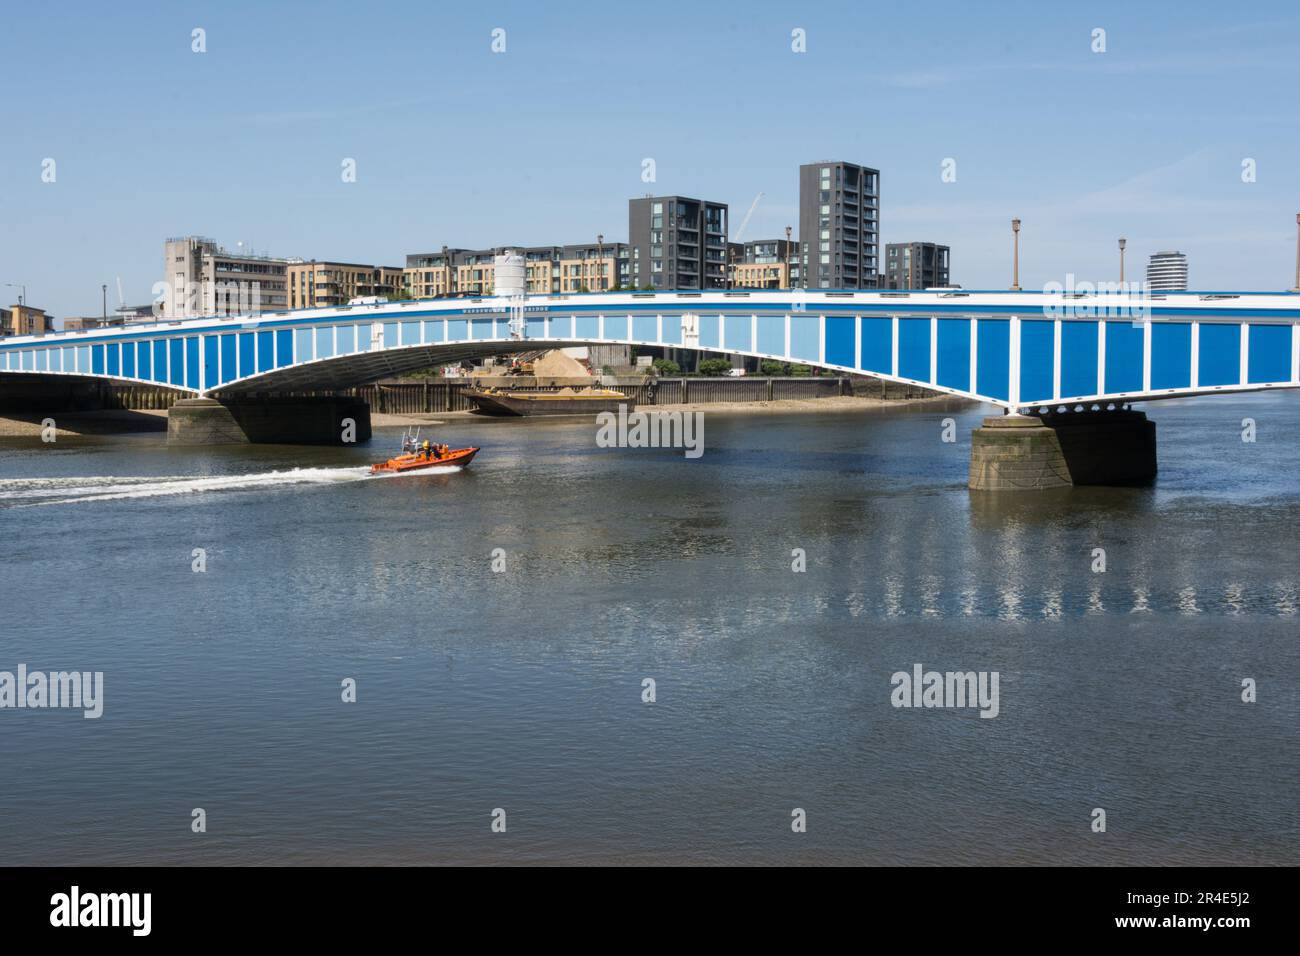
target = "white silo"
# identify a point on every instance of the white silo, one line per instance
(510, 275)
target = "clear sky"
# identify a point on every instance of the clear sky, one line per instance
(455, 144)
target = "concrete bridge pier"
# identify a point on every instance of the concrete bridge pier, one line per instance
(335, 420)
(1031, 452)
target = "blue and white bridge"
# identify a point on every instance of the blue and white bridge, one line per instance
(1017, 350)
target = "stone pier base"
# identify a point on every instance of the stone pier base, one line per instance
(285, 421)
(1026, 452)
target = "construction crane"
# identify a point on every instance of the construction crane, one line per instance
(740, 233)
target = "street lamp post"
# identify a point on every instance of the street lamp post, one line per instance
(1122, 244)
(1015, 255)
(789, 277)
(22, 290)
(103, 291)
(1297, 254)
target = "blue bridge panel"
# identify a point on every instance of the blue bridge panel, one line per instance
(112, 359)
(128, 359)
(1220, 355)
(710, 336)
(878, 345)
(435, 330)
(83, 360)
(144, 361)
(841, 340)
(953, 358)
(805, 336)
(1124, 357)
(673, 329)
(391, 333)
(345, 340)
(534, 326)
(1037, 360)
(586, 327)
(265, 351)
(211, 353)
(324, 343)
(159, 360)
(284, 347)
(738, 333)
(229, 363)
(993, 348)
(616, 327)
(771, 335)
(1078, 358)
(914, 349)
(246, 350)
(302, 344)
(43, 360)
(176, 361)
(97, 359)
(1171, 355)
(192, 362)
(411, 332)
(1269, 357)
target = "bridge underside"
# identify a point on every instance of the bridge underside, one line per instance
(347, 371)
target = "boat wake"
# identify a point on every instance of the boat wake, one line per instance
(30, 492)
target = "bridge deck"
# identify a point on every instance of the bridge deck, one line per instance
(1011, 349)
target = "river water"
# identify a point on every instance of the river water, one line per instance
(522, 688)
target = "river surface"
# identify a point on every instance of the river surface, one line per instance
(522, 689)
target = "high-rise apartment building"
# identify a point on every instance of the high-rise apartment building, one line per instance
(915, 265)
(677, 243)
(839, 225)
(1167, 272)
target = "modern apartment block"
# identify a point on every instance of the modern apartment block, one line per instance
(594, 267)
(677, 243)
(431, 274)
(318, 285)
(839, 225)
(25, 320)
(766, 264)
(915, 265)
(206, 279)
(1167, 272)
(581, 267)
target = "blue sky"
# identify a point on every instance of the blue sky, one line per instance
(544, 143)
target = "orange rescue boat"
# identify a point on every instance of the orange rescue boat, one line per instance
(418, 460)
